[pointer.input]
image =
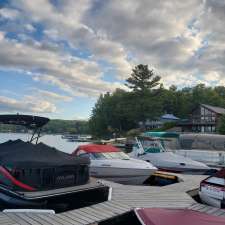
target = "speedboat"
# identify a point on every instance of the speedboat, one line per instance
(35, 175)
(212, 190)
(150, 149)
(108, 162)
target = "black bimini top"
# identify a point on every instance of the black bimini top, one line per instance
(31, 122)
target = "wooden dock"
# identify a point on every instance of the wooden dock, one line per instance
(123, 199)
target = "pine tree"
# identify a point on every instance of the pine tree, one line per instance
(142, 79)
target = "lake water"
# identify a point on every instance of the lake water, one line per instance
(51, 140)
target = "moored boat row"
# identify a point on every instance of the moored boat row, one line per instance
(43, 171)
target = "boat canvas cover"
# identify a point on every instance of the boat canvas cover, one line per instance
(162, 134)
(94, 148)
(159, 216)
(27, 155)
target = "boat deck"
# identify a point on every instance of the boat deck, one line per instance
(123, 199)
(93, 184)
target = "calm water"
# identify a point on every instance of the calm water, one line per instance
(51, 140)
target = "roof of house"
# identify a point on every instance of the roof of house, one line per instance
(169, 117)
(215, 109)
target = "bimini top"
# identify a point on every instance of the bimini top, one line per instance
(28, 121)
(176, 217)
(94, 148)
(162, 134)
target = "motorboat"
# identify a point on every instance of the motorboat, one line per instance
(110, 163)
(212, 190)
(164, 216)
(152, 150)
(35, 175)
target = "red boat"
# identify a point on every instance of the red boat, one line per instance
(160, 216)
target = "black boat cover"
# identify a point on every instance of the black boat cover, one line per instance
(27, 155)
(28, 121)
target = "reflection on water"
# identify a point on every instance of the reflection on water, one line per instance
(51, 140)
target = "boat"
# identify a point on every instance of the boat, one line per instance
(69, 136)
(164, 216)
(196, 145)
(76, 137)
(110, 163)
(212, 190)
(35, 175)
(117, 142)
(151, 149)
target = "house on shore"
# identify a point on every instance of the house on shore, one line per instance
(158, 123)
(204, 119)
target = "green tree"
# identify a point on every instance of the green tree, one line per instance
(221, 127)
(143, 83)
(122, 110)
(142, 79)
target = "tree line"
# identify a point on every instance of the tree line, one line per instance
(147, 98)
(54, 126)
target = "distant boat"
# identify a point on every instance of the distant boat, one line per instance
(76, 137)
(69, 136)
(117, 142)
(108, 162)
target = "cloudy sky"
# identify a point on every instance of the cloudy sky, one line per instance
(57, 56)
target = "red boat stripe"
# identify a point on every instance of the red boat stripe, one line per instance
(15, 181)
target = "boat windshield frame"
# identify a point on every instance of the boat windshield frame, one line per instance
(31, 122)
(108, 155)
(156, 144)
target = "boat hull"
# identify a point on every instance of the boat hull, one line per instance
(122, 175)
(183, 170)
(214, 202)
(171, 162)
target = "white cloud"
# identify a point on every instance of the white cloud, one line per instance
(29, 27)
(182, 40)
(26, 104)
(70, 73)
(8, 13)
(51, 96)
(66, 23)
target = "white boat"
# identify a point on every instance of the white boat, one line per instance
(212, 190)
(151, 150)
(108, 162)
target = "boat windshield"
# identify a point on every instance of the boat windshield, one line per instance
(109, 155)
(152, 146)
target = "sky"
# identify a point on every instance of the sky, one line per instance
(58, 56)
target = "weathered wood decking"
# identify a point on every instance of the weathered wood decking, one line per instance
(124, 198)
